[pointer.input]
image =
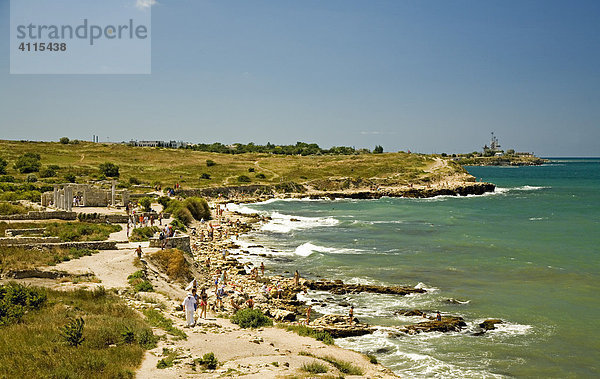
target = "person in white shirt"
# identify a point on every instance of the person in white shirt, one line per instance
(189, 307)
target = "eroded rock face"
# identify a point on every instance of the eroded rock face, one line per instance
(339, 288)
(281, 314)
(448, 324)
(339, 326)
(490, 324)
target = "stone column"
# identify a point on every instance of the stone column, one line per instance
(68, 198)
(113, 193)
(55, 198)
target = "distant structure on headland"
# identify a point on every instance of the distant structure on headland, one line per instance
(169, 144)
(494, 148)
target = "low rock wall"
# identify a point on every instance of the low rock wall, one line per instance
(94, 245)
(19, 232)
(20, 241)
(42, 215)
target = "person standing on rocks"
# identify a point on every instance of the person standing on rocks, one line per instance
(189, 308)
(138, 251)
(262, 268)
(438, 316)
(308, 310)
(296, 278)
(351, 315)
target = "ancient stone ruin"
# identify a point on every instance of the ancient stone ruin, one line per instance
(88, 195)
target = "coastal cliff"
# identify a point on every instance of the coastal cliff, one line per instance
(503, 161)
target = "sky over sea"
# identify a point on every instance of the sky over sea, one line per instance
(425, 76)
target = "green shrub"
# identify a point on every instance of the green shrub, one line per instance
(139, 282)
(251, 318)
(47, 172)
(128, 335)
(146, 203)
(143, 234)
(204, 175)
(134, 181)
(260, 176)
(178, 225)
(147, 339)
(3, 164)
(243, 179)
(72, 333)
(70, 178)
(305, 331)
(372, 358)
(164, 201)
(314, 367)
(7, 179)
(210, 163)
(251, 169)
(31, 178)
(12, 209)
(64, 140)
(156, 319)
(343, 366)
(28, 162)
(109, 169)
(168, 361)
(198, 207)
(16, 300)
(208, 361)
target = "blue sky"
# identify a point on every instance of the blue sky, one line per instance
(429, 76)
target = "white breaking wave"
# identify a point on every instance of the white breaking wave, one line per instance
(282, 223)
(241, 208)
(308, 248)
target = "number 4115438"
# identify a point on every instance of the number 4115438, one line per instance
(41, 46)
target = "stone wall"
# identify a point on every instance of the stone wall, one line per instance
(94, 245)
(42, 215)
(12, 241)
(182, 242)
(19, 232)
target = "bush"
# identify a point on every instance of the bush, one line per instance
(210, 163)
(28, 162)
(251, 169)
(7, 179)
(260, 176)
(147, 339)
(243, 179)
(251, 318)
(314, 367)
(305, 331)
(156, 319)
(134, 181)
(47, 172)
(164, 201)
(208, 360)
(143, 234)
(139, 282)
(72, 333)
(12, 209)
(16, 300)
(109, 170)
(146, 203)
(70, 178)
(128, 335)
(3, 164)
(198, 207)
(64, 140)
(31, 178)
(378, 149)
(204, 175)
(178, 225)
(372, 358)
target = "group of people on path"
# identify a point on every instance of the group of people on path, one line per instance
(194, 301)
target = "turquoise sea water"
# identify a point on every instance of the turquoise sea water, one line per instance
(528, 254)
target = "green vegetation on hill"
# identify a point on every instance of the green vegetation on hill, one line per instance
(19, 258)
(67, 231)
(113, 338)
(201, 169)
